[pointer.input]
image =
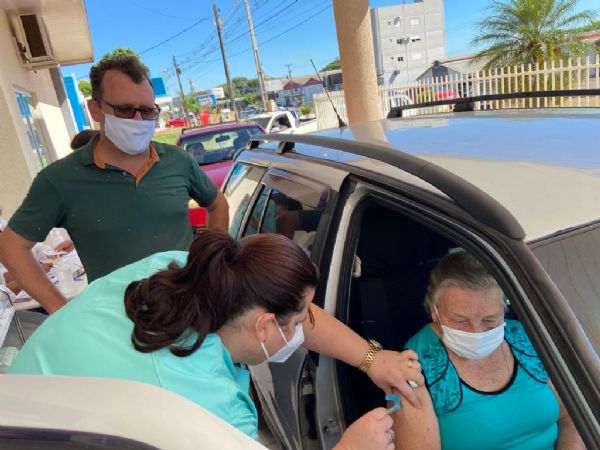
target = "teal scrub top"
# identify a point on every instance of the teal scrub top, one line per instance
(91, 336)
(521, 416)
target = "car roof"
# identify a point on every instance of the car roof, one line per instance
(215, 128)
(268, 115)
(543, 166)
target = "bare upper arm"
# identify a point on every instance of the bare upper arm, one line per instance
(11, 240)
(417, 428)
(219, 202)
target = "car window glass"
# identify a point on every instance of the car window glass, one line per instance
(290, 208)
(218, 146)
(238, 192)
(573, 262)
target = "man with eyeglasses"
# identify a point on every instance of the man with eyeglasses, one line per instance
(121, 196)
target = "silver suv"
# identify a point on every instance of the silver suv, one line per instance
(376, 205)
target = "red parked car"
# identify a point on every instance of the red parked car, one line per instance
(176, 122)
(213, 148)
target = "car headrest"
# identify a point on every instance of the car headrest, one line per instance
(196, 147)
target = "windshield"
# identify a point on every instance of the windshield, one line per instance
(213, 147)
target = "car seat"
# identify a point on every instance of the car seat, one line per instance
(397, 255)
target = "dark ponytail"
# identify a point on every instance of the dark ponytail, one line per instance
(222, 279)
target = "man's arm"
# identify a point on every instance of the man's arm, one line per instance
(217, 214)
(15, 254)
(390, 370)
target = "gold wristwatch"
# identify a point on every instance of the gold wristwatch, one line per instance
(374, 347)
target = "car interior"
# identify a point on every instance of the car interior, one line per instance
(387, 289)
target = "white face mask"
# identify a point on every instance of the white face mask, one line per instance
(129, 135)
(289, 348)
(472, 345)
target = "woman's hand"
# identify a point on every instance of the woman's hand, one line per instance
(373, 431)
(397, 370)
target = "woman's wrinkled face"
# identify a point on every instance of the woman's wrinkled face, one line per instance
(470, 310)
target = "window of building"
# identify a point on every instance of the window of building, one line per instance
(416, 56)
(415, 21)
(400, 58)
(415, 38)
(31, 125)
(402, 41)
(397, 22)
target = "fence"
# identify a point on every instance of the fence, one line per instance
(582, 73)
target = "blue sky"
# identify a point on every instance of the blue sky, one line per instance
(287, 31)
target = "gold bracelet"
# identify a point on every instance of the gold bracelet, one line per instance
(374, 347)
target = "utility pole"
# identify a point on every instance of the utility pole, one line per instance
(181, 96)
(261, 79)
(191, 86)
(292, 101)
(225, 66)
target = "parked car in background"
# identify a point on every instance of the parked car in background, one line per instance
(213, 148)
(377, 205)
(177, 122)
(277, 122)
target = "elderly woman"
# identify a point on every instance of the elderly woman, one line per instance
(486, 386)
(190, 322)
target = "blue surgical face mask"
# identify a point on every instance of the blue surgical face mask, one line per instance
(290, 346)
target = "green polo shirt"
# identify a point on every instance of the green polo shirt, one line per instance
(113, 219)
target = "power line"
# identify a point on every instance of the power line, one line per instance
(200, 57)
(174, 36)
(205, 69)
(240, 21)
(285, 31)
(204, 52)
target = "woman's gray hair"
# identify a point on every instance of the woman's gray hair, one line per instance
(462, 270)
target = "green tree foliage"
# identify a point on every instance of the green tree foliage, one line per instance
(333, 65)
(250, 99)
(85, 87)
(191, 104)
(120, 51)
(124, 51)
(533, 31)
(242, 86)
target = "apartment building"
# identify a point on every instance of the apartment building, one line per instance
(407, 39)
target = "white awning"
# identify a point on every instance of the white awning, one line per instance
(67, 25)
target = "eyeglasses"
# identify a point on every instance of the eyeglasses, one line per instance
(128, 112)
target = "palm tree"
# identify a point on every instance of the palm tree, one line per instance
(533, 31)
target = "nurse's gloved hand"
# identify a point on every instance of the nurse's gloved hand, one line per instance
(397, 370)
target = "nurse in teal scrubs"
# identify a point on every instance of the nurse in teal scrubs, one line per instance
(190, 322)
(486, 388)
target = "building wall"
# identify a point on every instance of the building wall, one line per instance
(17, 161)
(407, 38)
